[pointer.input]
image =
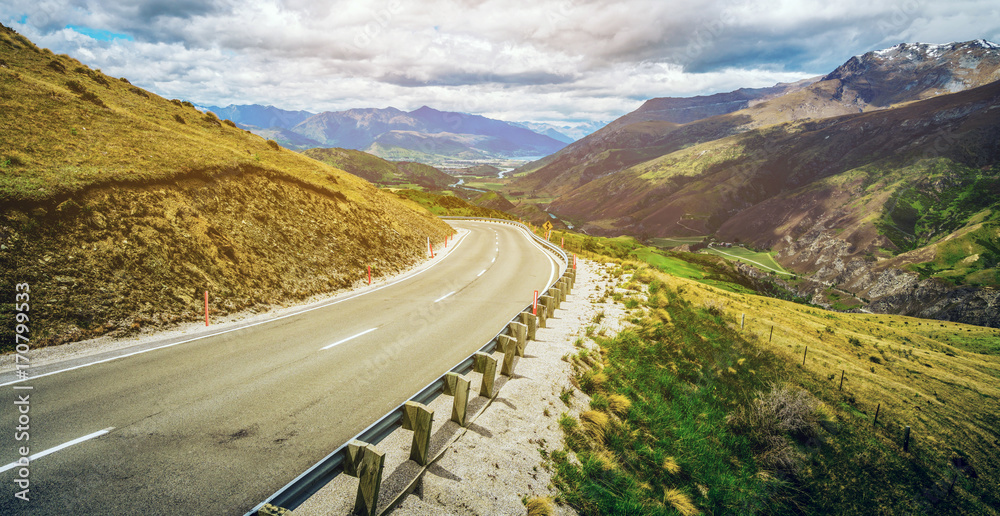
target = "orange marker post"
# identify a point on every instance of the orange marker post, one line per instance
(369, 274)
(534, 305)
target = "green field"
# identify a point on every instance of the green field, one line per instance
(749, 257)
(668, 243)
(484, 185)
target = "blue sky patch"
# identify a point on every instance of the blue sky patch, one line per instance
(99, 34)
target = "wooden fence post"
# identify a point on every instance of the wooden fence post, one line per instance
(520, 333)
(769, 335)
(365, 462)
(417, 417)
(743, 319)
(508, 346)
(804, 355)
(458, 386)
(486, 364)
(879, 407)
(841, 381)
(906, 439)
(529, 320)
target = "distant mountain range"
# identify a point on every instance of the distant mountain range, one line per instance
(882, 177)
(424, 134)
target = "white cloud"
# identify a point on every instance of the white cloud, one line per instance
(513, 59)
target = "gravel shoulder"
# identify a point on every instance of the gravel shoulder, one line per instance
(497, 463)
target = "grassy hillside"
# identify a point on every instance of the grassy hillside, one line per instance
(695, 409)
(450, 205)
(380, 171)
(364, 165)
(120, 208)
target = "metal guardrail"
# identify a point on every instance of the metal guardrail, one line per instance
(313, 479)
(548, 245)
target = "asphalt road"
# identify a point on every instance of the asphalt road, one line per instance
(217, 424)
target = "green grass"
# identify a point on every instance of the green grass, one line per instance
(692, 376)
(485, 185)
(749, 257)
(678, 411)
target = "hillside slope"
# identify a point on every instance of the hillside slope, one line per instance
(120, 208)
(380, 171)
(875, 80)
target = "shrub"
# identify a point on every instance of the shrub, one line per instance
(179, 119)
(89, 96)
(139, 91)
(75, 87)
(124, 80)
(230, 123)
(767, 420)
(273, 144)
(187, 104)
(57, 66)
(176, 102)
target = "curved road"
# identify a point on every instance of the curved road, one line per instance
(214, 425)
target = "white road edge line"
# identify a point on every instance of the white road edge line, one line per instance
(444, 296)
(481, 273)
(359, 294)
(41, 454)
(347, 339)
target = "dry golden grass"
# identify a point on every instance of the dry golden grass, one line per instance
(540, 507)
(680, 502)
(670, 466)
(595, 424)
(56, 141)
(619, 404)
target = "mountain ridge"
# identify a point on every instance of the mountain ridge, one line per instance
(369, 128)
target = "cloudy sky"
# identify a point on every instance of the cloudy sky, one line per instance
(518, 60)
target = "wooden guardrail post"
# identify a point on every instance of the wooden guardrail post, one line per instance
(486, 364)
(529, 320)
(458, 386)
(520, 333)
(508, 345)
(417, 417)
(565, 287)
(550, 305)
(556, 295)
(542, 313)
(365, 462)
